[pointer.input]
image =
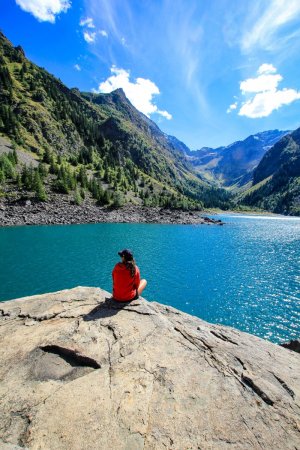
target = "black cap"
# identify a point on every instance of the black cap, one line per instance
(127, 254)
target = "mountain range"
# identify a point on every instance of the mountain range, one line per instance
(100, 145)
(232, 166)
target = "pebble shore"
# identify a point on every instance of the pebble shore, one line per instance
(63, 212)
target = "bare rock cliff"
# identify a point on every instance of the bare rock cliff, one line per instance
(81, 372)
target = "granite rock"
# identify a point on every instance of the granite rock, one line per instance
(80, 371)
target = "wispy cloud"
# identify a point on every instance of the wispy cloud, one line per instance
(44, 10)
(88, 22)
(89, 36)
(140, 91)
(182, 33)
(110, 18)
(103, 33)
(77, 67)
(269, 20)
(185, 46)
(231, 107)
(89, 30)
(186, 36)
(88, 25)
(261, 94)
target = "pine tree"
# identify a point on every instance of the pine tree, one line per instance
(40, 192)
(43, 170)
(77, 197)
(7, 166)
(13, 157)
(82, 177)
(19, 181)
(2, 176)
(106, 198)
(118, 199)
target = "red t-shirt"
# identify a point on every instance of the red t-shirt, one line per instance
(124, 285)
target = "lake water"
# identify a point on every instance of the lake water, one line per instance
(245, 274)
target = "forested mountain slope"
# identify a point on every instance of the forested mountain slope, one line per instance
(89, 143)
(276, 180)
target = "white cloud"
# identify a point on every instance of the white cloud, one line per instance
(268, 22)
(164, 114)
(262, 94)
(140, 92)
(88, 25)
(261, 83)
(89, 36)
(44, 10)
(264, 103)
(231, 107)
(77, 67)
(266, 68)
(88, 22)
(103, 33)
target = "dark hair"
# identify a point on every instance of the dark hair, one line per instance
(130, 265)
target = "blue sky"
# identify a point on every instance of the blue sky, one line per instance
(207, 72)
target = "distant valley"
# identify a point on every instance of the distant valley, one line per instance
(232, 166)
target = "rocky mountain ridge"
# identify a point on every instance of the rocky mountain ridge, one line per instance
(232, 166)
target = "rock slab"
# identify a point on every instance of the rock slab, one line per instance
(80, 371)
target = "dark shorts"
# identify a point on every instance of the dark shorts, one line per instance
(136, 295)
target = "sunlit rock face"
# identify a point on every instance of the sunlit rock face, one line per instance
(80, 371)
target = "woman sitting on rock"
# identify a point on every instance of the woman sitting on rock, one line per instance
(127, 283)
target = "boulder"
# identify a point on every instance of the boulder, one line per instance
(292, 345)
(80, 371)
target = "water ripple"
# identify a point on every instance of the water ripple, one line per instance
(245, 274)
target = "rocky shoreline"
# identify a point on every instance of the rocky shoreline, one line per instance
(61, 211)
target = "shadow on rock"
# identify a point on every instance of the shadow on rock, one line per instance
(108, 308)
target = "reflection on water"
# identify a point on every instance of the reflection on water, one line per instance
(244, 274)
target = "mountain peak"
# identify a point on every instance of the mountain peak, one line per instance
(119, 91)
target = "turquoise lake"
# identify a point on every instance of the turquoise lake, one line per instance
(245, 274)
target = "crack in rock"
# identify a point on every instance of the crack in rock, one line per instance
(241, 362)
(72, 357)
(251, 431)
(285, 386)
(112, 329)
(4, 314)
(248, 381)
(109, 368)
(26, 417)
(143, 313)
(38, 318)
(223, 337)
(213, 361)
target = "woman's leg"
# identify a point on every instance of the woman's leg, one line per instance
(143, 284)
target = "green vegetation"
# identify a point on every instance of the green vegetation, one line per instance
(100, 146)
(94, 143)
(277, 179)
